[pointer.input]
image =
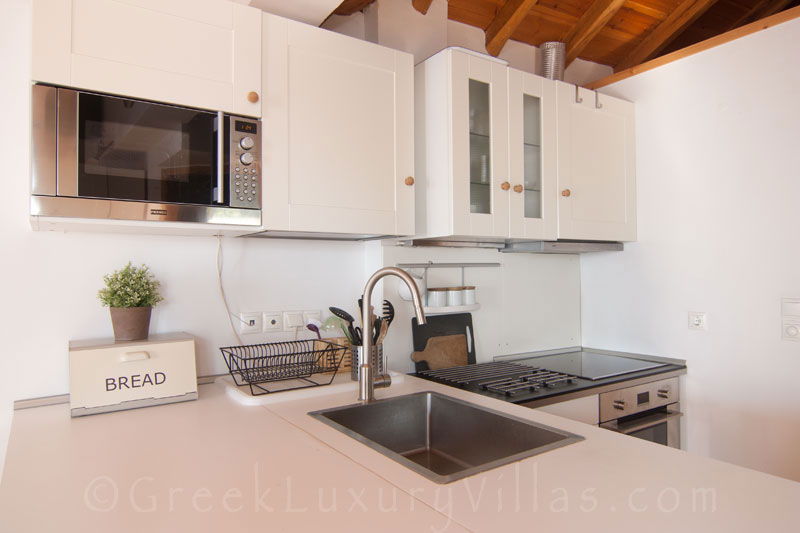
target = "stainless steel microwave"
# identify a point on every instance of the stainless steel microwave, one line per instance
(110, 157)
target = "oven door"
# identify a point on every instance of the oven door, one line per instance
(661, 425)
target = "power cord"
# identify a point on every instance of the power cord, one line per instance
(222, 291)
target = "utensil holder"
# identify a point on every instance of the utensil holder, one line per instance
(377, 361)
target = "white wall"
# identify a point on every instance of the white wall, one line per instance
(530, 302)
(718, 188)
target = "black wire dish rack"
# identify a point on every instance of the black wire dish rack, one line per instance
(289, 365)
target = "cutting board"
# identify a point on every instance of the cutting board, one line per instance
(439, 326)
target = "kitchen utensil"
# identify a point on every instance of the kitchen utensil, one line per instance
(382, 333)
(347, 317)
(358, 337)
(315, 328)
(376, 330)
(388, 312)
(439, 325)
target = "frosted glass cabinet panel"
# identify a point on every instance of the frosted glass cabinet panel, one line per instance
(532, 153)
(479, 148)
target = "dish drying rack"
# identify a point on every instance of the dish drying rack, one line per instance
(257, 364)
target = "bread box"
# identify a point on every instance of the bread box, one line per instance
(111, 376)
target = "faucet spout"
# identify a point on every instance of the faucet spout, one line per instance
(366, 382)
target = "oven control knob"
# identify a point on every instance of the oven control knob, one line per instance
(619, 404)
(663, 393)
(246, 159)
(247, 143)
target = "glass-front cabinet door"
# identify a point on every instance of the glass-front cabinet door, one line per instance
(532, 156)
(480, 154)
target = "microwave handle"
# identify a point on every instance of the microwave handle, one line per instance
(220, 159)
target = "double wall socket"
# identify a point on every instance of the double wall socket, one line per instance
(275, 321)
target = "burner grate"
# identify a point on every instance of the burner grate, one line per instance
(500, 377)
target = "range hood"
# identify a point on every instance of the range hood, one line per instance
(520, 246)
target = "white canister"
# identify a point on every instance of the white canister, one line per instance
(453, 296)
(468, 293)
(437, 297)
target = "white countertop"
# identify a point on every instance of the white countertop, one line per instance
(218, 465)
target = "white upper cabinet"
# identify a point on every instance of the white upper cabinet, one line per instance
(195, 53)
(485, 149)
(338, 151)
(532, 152)
(596, 166)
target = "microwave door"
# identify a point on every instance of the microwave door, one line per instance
(141, 151)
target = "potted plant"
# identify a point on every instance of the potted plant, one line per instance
(130, 293)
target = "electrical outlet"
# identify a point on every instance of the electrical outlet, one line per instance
(272, 322)
(292, 319)
(250, 322)
(697, 320)
(309, 315)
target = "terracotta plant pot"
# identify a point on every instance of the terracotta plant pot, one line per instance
(130, 323)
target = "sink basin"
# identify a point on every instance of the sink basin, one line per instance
(441, 437)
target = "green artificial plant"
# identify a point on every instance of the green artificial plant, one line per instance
(130, 287)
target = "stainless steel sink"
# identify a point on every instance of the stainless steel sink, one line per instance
(443, 438)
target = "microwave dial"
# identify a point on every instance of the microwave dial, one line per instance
(247, 143)
(246, 158)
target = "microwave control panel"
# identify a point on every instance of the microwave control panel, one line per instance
(245, 163)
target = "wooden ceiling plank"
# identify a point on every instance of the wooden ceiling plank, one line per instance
(645, 9)
(761, 9)
(663, 34)
(589, 25)
(422, 5)
(508, 18)
(738, 33)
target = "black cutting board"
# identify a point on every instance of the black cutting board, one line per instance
(440, 325)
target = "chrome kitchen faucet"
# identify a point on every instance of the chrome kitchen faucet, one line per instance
(366, 383)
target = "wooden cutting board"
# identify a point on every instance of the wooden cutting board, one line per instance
(443, 352)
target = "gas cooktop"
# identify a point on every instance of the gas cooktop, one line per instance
(532, 378)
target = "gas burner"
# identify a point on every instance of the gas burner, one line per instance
(500, 377)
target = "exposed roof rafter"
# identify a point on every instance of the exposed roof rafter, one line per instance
(507, 19)
(663, 34)
(589, 25)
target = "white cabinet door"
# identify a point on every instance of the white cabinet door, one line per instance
(532, 156)
(596, 166)
(196, 53)
(338, 150)
(479, 143)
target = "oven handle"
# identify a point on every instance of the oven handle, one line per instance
(643, 423)
(220, 161)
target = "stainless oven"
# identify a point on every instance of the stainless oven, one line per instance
(650, 411)
(101, 156)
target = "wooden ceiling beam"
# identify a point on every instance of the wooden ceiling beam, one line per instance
(422, 5)
(665, 32)
(589, 25)
(507, 19)
(348, 7)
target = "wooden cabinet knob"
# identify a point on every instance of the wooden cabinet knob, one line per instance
(409, 181)
(252, 97)
(566, 192)
(518, 188)
(505, 185)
